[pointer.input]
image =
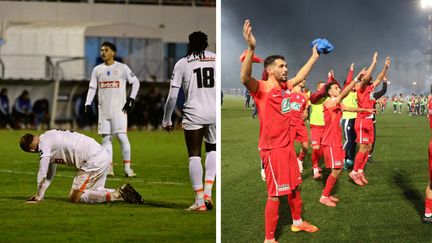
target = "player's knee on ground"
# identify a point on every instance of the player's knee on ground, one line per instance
(75, 196)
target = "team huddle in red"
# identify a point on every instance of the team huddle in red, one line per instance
(282, 109)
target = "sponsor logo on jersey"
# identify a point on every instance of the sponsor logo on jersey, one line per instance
(109, 84)
(285, 105)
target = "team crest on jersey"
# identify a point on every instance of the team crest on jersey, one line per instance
(108, 73)
(295, 106)
(285, 106)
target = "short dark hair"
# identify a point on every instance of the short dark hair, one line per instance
(109, 45)
(270, 59)
(25, 142)
(328, 87)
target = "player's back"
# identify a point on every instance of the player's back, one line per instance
(68, 147)
(197, 77)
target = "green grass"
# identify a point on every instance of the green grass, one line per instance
(387, 210)
(159, 159)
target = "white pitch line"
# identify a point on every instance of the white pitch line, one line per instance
(109, 178)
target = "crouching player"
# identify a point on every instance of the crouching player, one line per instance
(84, 153)
(334, 154)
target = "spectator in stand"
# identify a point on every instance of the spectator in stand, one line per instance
(22, 110)
(41, 114)
(6, 119)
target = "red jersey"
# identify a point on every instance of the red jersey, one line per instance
(298, 104)
(366, 100)
(332, 129)
(274, 107)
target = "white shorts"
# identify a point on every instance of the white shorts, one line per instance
(93, 173)
(113, 126)
(210, 133)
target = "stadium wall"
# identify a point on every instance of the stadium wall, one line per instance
(175, 22)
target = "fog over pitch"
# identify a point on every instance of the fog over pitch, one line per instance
(357, 28)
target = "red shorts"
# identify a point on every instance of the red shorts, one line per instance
(364, 130)
(334, 157)
(316, 134)
(430, 160)
(281, 169)
(299, 133)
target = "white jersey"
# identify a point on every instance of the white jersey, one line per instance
(111, 84)
(67, 147)
(197, 77)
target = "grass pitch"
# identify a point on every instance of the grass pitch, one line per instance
(160, 161)
(386, 210)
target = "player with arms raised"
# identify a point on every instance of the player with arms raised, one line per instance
(76, 150)
(109, 79)
(195, 73)
(364, 124)
(275, 142)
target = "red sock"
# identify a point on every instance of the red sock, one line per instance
(358, 160)
(428, 207)
(302, 154)
(271, 218)
(365, 159)
(331, 181)
(295, 202)
(315, 157)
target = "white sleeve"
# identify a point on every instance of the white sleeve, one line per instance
(177, 76)
(45, 175)
(170, 105)
(92, 88)
(132, 79)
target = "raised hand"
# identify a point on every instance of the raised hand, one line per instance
(387, 62)
(247, 34)
(315, 51)
(375, 57)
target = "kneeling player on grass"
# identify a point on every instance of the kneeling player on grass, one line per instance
(84, 153)
(196, 74)
(334, 154)
(275, 143)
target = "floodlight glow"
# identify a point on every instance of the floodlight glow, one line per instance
(426, 3)
(388, 82)
(414, 83)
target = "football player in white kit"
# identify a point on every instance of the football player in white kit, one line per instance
(110, 78)
(195, 73)
(90, 159)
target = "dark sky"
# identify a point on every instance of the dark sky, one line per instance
(357, 28)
